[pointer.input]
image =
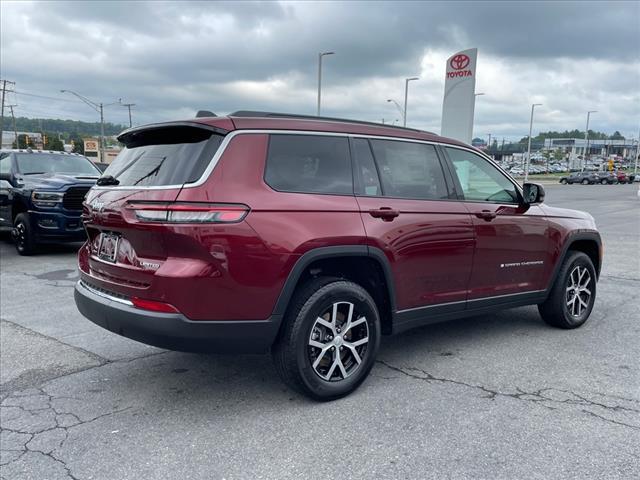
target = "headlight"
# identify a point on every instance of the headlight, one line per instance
(46, 199)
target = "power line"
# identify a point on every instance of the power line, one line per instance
(46, 97)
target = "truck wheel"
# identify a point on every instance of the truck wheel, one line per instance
(563, 181)
(603, 181)
(22, 234)
(585, 182)
(330, 339)
(573, 293)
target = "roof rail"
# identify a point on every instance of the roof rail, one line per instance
(258, 114)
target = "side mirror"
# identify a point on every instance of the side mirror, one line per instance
(532, 193)
(7, 177)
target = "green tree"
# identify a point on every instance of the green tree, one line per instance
(23, 142)
(616, 136)
(52, 142)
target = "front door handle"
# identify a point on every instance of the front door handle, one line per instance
(487, 215)
(387, 214)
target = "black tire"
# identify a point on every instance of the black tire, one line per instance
(292, 353)
(564, 181)
(23, 237)
(604, 181)
(555, 310)
(585, 182)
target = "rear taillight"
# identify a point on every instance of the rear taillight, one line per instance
(153, 306)
(162, 212)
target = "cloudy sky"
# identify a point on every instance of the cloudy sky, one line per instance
(173, 58)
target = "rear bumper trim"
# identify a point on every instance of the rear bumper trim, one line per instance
(104, 295)
(173, 331)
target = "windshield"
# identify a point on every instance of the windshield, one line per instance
(32, 163)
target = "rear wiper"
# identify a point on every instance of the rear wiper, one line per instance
(108, 180)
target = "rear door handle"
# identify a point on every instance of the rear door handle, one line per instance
(387, 214)
(487, 215)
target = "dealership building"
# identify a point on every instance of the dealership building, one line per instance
(597, 148)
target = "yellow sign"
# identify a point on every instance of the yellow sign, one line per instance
(610, 165)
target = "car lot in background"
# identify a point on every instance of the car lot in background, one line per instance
(584, 178)
(492, 396)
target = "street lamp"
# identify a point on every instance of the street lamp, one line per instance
(391, 100)
(406, 91)
(586, 139)
(526, 165)
(489, 144)
(320, 55)
(98, 107)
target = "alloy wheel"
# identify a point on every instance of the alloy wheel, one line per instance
(578, 293)
(20, 235)
(338, 342)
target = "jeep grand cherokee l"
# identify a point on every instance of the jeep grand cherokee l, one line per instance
(41, 194)
(312, 237)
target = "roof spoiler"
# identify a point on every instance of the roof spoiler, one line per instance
(205, 113)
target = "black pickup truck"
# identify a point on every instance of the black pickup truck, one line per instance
(41, 195)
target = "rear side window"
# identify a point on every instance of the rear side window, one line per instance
(164, 156)
(409, 170)
(309, 163)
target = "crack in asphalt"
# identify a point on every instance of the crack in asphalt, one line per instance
(33, 434)
(536, 396)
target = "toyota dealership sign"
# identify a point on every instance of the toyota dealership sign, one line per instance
(459, 95)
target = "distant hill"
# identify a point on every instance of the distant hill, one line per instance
(73, 128)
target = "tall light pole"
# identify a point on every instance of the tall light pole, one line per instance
(98, 107)
(475, 95)
(526, 165)
(489, 144)
(406, 93)
(320, 55)
(586, 140)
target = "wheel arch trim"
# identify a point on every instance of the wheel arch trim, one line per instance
(572, 238)
(322, 253)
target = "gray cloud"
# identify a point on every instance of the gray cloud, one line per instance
(172, 58)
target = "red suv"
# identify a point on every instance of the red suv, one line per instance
(311, 237)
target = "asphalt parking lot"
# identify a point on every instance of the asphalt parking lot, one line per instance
(499, 396)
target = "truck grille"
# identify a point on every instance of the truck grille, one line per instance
(74, 197)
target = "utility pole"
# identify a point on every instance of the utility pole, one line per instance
(98, 107)
(129, 105)
(15, 130)
(4, 96)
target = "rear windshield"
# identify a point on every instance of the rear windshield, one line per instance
(164, 156)
(35, 163)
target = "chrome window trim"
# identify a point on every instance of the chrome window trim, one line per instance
(231, 135)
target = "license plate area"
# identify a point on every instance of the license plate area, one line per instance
(108, 247)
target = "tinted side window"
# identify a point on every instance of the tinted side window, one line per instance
(309, 163)
(409, 170)
(367, 181)
(481, 181)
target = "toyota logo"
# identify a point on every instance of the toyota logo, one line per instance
(459, 62)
